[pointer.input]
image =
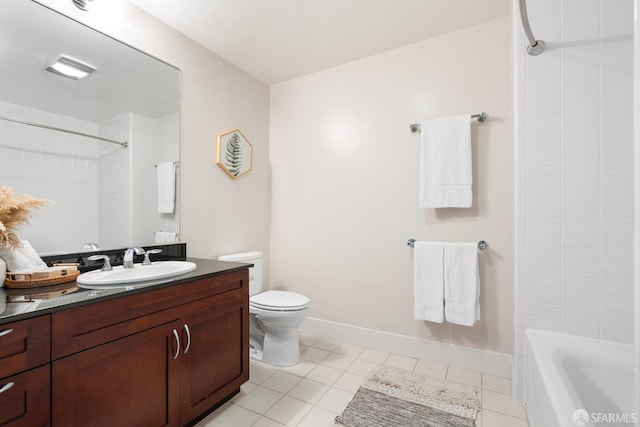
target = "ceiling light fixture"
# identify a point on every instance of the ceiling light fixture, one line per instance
(71, 68)
(83, 4)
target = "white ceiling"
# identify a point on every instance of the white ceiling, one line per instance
(277, 40)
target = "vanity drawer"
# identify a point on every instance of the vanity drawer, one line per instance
(91, 325)
(25, 399)
(24, 344)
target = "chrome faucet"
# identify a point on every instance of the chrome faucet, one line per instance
(106, 266)
(127, 261)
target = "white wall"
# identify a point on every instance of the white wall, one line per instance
(89, 183)
(152, 141)
(345, 183)
(218, 215)
(115, 184)
(54, 166)
(574, 186)
(167, 131)
(144, 200)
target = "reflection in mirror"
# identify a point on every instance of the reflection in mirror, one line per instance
(100, 192)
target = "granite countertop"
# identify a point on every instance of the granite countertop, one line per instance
(19, 304)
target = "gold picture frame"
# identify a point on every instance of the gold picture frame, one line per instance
(234, 153)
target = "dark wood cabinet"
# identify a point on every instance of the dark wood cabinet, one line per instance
(215, 357)
(160, 358)
(25, 398)
(126, 382)
(25, 385)
(24, 345)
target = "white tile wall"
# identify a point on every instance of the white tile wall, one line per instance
(81, 177)
(58, 167)
(574, 172)
(114, 184)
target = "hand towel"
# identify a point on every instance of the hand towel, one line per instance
(24, 258)
(428, 284)
(31, 254)
(166, 187)
(15, 260)
(445, 163)
(461, 283)
(166, 237)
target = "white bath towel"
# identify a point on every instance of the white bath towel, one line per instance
(22, 259)
(166, 187)
(31, 254)
(428, 281)
(461, 283)
(445, 163)
(166, 237)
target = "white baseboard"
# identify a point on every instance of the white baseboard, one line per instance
(488, 362)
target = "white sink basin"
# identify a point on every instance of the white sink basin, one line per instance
(139, 273)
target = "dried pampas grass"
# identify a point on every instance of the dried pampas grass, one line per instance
(15, 211)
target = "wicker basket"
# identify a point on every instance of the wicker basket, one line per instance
(25, 280)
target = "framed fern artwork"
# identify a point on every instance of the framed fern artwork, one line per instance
(234, 153)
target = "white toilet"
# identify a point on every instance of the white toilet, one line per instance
(274, 316)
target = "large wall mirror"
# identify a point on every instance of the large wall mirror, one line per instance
(100, 191)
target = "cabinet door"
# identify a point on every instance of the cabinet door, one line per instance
(215, 356)
(25, 399)
(133, 381)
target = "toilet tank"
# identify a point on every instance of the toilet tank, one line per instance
(255, 272)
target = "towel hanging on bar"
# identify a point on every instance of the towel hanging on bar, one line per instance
(175, 164)
(415, 127)
(482, 245)
(166, 179)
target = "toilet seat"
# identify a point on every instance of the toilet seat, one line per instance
(279, 301)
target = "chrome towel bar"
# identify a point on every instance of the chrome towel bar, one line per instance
(415, 127)
(482, 245)
(175, 164)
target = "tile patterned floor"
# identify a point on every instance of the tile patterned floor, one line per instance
(314, 392)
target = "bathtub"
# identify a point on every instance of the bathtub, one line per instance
(574, 381)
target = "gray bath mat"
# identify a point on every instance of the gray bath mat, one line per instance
(393, 398)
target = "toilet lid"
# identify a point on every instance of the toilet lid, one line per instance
(279, 300)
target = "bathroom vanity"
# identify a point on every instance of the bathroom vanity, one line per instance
(162, 355)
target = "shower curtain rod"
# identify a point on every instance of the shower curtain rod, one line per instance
(536, 47)
(124, 144)
(415, 127)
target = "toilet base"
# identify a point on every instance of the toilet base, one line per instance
(277, 351)
(274, 341)
(281, 350)
(274, 336)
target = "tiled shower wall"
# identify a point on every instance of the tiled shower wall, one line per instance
(59, 167)
(574, 172)
(90, 184)
(114, 184)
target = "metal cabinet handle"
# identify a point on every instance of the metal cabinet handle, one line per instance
(6, 332)
(177, 353)
(186, 329)
(6, 387)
